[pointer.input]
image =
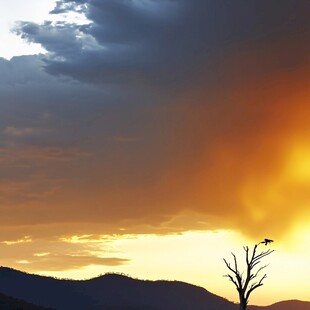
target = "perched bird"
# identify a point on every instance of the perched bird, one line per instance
(266, 241)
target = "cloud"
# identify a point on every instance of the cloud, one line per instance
(239, 150)
(67, 6)
(156, 120)
(52, 262)
(21, 132)
(159, 42)
(41, 255)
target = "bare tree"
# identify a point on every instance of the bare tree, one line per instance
(251, 280)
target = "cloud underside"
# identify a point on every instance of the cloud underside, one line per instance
(65, 262)
(158, 117)
(60, 254)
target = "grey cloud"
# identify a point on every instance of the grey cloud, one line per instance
(163, 42)
(22, 70)
(58, 136)
(59, 38)
(129, 37)
(67, 6)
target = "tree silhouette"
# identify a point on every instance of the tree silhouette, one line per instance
(251, 280)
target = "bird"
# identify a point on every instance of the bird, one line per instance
(267, 241)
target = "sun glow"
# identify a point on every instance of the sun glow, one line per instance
(193, 257)
(298, 167)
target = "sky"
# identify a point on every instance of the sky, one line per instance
(154, 138)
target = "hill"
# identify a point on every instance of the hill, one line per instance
(110, 291)
(285, 305)
(10, 303)
(113, 291)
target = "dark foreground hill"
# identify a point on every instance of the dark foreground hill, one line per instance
(108, 292)
(116, 292)
(10, 303)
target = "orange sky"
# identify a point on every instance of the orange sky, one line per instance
(244, 168)
(198, 148)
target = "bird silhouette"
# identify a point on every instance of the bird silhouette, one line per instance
(267, 241)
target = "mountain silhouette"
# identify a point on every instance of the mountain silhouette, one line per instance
(110, 291)
(10, 303)
(114, 291)
(285, 305)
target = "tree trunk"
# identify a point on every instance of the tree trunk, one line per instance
(243, 305)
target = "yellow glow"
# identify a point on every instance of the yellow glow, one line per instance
(23, 262)
(299, 164)
(193, 257)
(26, 239)
(77, 239)
(300, 238)
(41, 254)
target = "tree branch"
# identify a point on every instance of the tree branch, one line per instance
(244, 285)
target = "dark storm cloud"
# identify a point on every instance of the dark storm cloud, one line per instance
(164, 41)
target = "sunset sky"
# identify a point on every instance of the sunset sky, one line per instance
(154, 138)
